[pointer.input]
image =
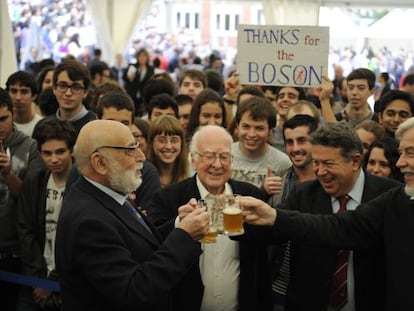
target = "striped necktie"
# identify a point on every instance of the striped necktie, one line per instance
(135, 214)
(339, 288)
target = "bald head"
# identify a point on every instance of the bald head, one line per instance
(96, 134)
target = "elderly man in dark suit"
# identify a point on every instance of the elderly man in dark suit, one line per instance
(232, 275)
(314, 271)
(386, 221)
(108, 256)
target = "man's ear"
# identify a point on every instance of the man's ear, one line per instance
(357, 161)
(99, 164)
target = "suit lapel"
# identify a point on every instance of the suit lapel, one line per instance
(322, 204)
(123, 214)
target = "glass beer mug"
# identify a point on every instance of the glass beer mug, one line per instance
(232, 214)
(211, 236)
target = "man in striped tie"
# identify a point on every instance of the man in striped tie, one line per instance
(106, 259)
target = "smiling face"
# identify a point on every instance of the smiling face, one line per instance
(378, 164)
(210, 114)
(253, 135)
(286, 97)
(298, 146)
(214, 175)
(335, 173)
(394, 114)
(167, 148)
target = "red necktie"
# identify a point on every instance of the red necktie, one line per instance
(339, 289)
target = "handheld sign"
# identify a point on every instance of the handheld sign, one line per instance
(282, 55)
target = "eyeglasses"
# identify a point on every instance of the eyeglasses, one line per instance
(211, 157)
(129, 150)
(165, 139)
(75, 88)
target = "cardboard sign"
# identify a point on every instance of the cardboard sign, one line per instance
(282, 55)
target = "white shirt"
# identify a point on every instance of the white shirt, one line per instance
(28, 128)
(356, 196)
(220, 268)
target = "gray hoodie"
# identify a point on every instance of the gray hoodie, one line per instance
(24, 157)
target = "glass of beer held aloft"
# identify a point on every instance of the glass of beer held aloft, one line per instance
(210, 237)
(232, 214)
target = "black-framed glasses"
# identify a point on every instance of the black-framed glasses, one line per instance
(129, 150)
(75, 88)
(211, 157)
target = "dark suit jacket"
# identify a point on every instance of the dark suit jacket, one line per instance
(135, 88)
(312, 268)
(387, 220)
(106, 260)
(255, 285)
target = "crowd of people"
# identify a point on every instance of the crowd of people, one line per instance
(84, 157)
(102, 168)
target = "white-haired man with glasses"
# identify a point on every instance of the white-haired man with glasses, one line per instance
(108, 256)
(231, 275)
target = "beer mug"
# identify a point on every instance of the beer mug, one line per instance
(232, 215)
(210, 237)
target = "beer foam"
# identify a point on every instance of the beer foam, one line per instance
(231, 210)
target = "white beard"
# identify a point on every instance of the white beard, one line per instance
(123, 181)
(409, 191)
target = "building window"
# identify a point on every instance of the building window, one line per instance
(227, 22)
(236, 21)
(178, 20)
(196, 21)
(187, 20)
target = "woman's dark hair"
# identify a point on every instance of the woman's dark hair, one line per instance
(205, 96)
(390, 147)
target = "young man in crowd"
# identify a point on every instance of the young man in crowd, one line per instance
(23, 92)
(297, 135)
(254, 159)
(38, 209)
(71, 82)
(192, 83)
(162, 104)
(285, 97)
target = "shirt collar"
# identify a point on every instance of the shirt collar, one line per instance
(204, 192)
(120, 198)
(357, 189)
(79, 116)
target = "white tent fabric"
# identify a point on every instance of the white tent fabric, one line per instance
(385, 27)
(291, 12)
(115, 22)
(8, 61)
